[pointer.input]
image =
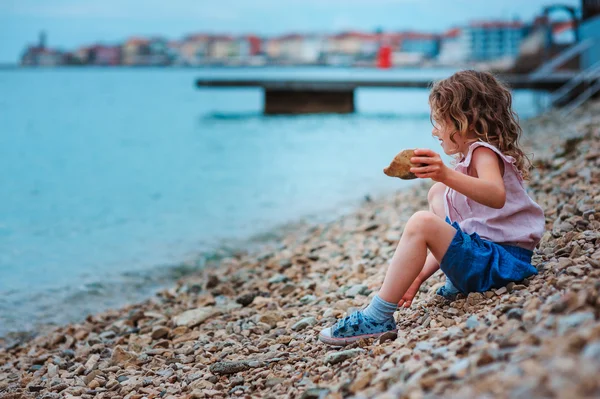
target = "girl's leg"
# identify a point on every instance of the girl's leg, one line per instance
(448, 291)
(431, 266)
(424, 230)
(435, 197)
(436, 205)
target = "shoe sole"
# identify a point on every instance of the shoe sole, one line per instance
(349, 340)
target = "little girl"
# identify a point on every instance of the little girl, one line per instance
(481, 227)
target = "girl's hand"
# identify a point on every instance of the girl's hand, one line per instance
(433, 166)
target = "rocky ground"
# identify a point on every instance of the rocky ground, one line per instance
(249, 328)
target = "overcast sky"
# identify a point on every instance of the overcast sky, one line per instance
(70, 23)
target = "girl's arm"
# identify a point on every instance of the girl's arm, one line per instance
(487, 188)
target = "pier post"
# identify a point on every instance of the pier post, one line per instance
(279, 101)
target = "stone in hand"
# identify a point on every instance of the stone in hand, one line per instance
(400, 166)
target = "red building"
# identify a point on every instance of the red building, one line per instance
(255, 44)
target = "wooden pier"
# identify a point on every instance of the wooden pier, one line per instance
(337, 96)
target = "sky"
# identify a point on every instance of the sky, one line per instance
(72, 23)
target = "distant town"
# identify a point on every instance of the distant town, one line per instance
(492, 42)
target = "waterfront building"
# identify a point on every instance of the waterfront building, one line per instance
(136, 51)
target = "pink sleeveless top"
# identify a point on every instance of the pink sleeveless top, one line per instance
(520, 222)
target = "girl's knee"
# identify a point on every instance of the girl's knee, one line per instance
(435, 192)
(436, 199)
(421, 222)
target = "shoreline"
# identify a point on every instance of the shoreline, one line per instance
(161, 277)
(249, 327)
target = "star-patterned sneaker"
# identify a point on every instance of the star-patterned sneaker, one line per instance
(448, 291)
(354, 327)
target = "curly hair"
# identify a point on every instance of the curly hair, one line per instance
(479, 105)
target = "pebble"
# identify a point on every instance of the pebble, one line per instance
(52, 371)
(270, 318)
(592, 351)
(212, 281)
(574, 320)
(361, 381)
(307, 299)
(194, 317)
(68, 353)
(302, 324)
(472, 322)
(271, 382)
(338, 357)
(240, 389)
(287, 289)
(229, 367)
(315, 393)
(515, 313)
(236, 380)
(440, 353)
(452, 311)
(460, 368)
(91, 363)
(245, 299)
(387, 336)
(355, 290)
(454, 332)
(159, 332)
(278, 278)
(120, 356)
(423, 346)
(392, 236)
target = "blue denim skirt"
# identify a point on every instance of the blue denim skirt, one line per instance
(473, 264)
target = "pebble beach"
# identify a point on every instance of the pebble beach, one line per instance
(247, 327)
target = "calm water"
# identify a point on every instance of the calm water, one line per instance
(112, 179)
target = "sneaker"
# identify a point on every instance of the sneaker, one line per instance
(448, 291)
(354, 327)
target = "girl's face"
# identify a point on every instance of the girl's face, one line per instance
(442, 131)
